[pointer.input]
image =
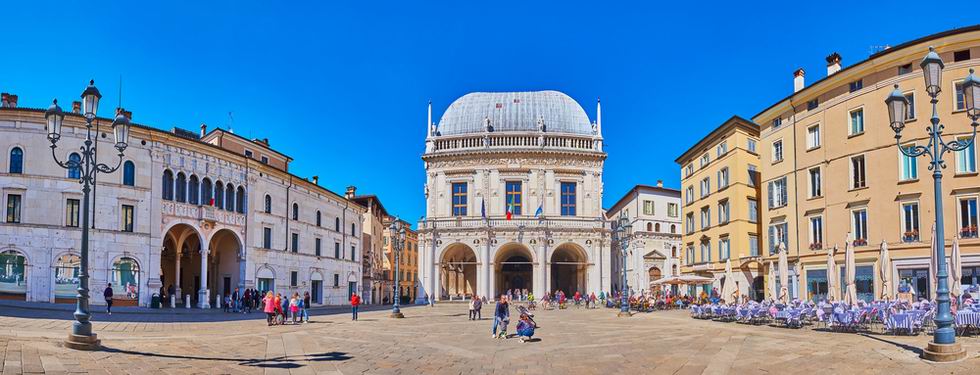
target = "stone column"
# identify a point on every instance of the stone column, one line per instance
(540, 274)
(202, 295)
(176, 279)
(488, 277)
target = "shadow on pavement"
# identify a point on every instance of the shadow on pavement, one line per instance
(914, 349)
(284, 362)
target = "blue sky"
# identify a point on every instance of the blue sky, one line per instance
(342, 87)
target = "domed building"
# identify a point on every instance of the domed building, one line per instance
(513, 198)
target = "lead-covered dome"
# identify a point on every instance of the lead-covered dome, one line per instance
(515, 111)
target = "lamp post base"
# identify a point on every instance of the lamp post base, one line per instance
(943, 352)
(396, 315)
(82, 342)
(624, 314)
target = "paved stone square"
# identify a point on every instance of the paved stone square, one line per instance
(440, 340)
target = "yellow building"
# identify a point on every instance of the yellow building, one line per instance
(407, 263)
(832, 171)
(719, 182)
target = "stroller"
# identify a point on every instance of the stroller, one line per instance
(521, 310)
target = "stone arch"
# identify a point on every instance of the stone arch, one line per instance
(125, 274)
(180, 259)
(656, 228)
(513, 265)
(65, 269)
(225, 260)
(15, 273)
(569, 268)
(458, 270)
(265, 278)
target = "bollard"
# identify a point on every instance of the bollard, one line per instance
(187, 301)
(217, 301)
(173, 302)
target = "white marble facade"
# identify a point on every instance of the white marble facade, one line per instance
(523, 151)
(174, 221)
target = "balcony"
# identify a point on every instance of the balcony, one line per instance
(816, 246)
(460, 223)
(510, 141)
(968, 232)
(910, 236)
(202, 213)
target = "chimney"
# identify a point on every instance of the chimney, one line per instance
(350, 192)
(76, 107)
(124, 112)
(660, 183)
(316, 180)
(833, 64)
(8, 100)
(204, 129)
(798, 80)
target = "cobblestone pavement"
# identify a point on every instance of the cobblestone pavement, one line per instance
(440, 340)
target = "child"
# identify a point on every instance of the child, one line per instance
(525, 328)
(294, 307)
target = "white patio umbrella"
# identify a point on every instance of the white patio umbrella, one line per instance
(850, 296)
(955, 272)
(832, 284)
(728, 290)
(772, 281)
(783, 274)
(932, 264)
(885, 271)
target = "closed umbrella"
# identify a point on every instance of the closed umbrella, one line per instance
(728, 290)
(801, 286)
(832, 284)
(783, 274)
(772, 281)
(932, 264)
(851, 283)
(955, 272)
(885, 269)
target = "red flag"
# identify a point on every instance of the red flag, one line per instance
(211, 202)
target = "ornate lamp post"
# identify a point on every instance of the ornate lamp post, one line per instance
(943, 346)
(623, 232)
(397, 233)
(81, 336)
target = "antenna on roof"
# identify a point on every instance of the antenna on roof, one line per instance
(120, 91)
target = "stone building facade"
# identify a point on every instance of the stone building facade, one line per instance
(655, 213)
(513, 198)
(206, 212)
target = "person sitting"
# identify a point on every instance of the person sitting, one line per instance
(525, 328)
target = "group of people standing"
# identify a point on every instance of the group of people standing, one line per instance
(276, 307)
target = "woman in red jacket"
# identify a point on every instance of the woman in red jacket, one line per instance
(355, 301)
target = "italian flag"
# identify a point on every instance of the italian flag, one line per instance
(510, 208)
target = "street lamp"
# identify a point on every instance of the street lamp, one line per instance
(397, 233)
(943, 346)
(624, 230)
(81, 336)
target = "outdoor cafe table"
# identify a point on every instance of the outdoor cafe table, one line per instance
(968, 318)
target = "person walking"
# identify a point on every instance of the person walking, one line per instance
(355, 302)
(477, 306)
(270, 308)
(501, 317)
(303, 309)
(472, 315)
(107, 293)
(247, 301)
